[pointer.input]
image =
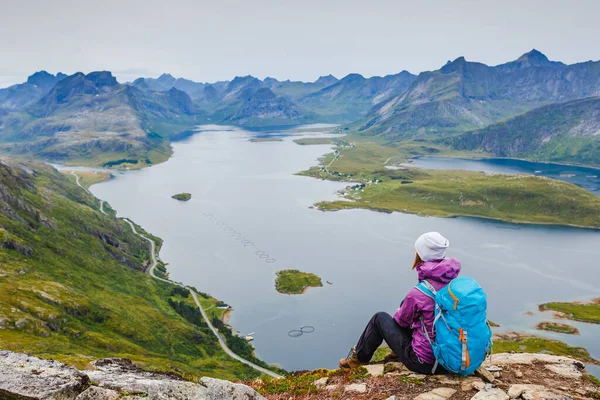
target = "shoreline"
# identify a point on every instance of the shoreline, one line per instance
(491, 219)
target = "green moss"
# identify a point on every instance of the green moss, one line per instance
(292, 281)
(583, 312)
(559, 328)
(380, 354)
(537, 345)
(293, 385)
(182, 196)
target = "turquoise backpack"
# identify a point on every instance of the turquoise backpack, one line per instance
(463, 338)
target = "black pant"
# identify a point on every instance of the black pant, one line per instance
(383, 327)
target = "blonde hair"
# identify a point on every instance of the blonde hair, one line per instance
(417, 261)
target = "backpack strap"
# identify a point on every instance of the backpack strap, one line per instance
(428, 290)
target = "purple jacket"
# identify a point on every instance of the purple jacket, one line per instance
(439, 273)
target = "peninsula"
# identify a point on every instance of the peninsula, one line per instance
(378, 182)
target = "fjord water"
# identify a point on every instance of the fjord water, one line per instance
(243, 188)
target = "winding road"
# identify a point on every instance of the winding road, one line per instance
(150, 271)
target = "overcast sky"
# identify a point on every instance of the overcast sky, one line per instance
(299, 40)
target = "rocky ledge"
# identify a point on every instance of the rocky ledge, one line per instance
(504, 376)
(23, 377)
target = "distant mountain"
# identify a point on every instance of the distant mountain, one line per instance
(563, 132)
(463, 95)
(296, 90)
(166, 81)
(350, 98)
(91, 117)
(265, 108)
(18, 97)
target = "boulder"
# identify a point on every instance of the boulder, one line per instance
(30, 378)
(121, 375)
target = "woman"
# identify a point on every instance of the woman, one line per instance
(404, 333)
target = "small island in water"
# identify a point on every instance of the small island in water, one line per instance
(182, 196)
(557, 327)
(292, 281)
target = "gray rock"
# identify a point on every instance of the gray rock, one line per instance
(98, 393)
(321, 383)
(374, 369)
(567, 370)
(120, 374)
(492, 394)
(516, 391)
(436, 394)
(356, 388)
(485, 375)
(30, 378)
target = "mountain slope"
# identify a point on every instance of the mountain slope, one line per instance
(264, 107)
(73, 287)
(352, 96)
(463, 95)
(93, 118)
(563, 132)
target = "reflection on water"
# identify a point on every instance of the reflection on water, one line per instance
(251, 189)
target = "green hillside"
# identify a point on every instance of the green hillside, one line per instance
(564, 132)
(73, 287)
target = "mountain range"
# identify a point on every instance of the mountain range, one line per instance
(463, 96)
(94, 117)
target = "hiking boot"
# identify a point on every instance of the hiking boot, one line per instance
(351, 361)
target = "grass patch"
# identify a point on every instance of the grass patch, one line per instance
(492, 324)
(182, 196)
(582, 312)
(542, 345)
(292, 281)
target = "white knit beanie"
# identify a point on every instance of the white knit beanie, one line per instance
(431, 246)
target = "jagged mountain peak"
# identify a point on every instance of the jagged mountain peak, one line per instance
(326, 80)
(533, 58)
(41, 78)
(102, 78)
(452, 66)
(534, 55)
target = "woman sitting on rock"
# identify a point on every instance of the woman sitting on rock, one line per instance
(403, 332)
